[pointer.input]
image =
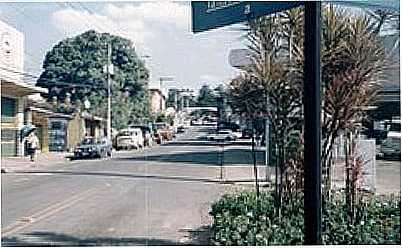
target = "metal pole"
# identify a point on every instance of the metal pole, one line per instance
(312, 133)
(267, 174)
(109, 94)
(222, 159)
(255, 162)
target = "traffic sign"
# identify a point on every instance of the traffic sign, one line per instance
(208, 15)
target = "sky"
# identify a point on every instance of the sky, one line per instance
(160, 31)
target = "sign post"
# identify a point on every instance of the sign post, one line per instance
(312, 124)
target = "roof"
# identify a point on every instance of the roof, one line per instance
(158, 91)
(20, 88)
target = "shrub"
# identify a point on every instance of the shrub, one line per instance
(242, 219)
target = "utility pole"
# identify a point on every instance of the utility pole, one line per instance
(109, 70)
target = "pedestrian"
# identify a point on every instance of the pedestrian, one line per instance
(33, 145)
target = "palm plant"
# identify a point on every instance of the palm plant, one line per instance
(353, 61)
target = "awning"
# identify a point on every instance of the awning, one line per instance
(20, 88)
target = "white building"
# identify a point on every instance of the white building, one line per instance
(11, 53)
(14, 91)
(157, 101)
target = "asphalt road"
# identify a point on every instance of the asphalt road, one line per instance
(159, 196)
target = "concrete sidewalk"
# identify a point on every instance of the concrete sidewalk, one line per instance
(44, 160)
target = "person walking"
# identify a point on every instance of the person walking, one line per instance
(33, 145)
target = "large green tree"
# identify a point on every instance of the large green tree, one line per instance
(75, 66)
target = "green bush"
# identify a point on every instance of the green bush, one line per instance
(241, 219)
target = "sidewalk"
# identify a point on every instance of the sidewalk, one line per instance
(13, 164)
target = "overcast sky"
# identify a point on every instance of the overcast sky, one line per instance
(158, 29)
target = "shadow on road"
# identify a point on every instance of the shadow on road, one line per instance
(126, 175)
(59, 239)
(199, 236)
(231, 157)
(203, 142)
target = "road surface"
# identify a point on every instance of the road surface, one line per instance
(159, 196)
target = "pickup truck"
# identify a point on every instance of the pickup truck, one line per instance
(163, 131)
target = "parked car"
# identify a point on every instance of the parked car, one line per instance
(196, 122)
(146, 134)
(91, 147)
(163, 130)
(222, 135)
(158, 138)
(181, 129)
(131, 138)
(246, 133)
(391, 148)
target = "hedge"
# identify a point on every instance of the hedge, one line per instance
(241, 219)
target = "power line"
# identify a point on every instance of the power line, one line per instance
(56, 83)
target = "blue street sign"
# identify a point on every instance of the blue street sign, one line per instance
(208, 15)
(213, 14)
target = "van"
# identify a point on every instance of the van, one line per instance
(130, 138)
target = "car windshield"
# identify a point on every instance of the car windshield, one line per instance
(88, 141)
(124, 133)
(224, 132)
(160, 126)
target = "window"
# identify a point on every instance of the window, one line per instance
(8, 107)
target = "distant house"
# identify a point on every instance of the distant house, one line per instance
(157, 101)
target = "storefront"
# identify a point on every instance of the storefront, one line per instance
(13, 102)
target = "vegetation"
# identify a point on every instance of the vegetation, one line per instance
(353, 63)
(73, 69)
(245, 219)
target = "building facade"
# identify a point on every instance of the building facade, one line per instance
(11, 53)
(14, 91)
(157, 101)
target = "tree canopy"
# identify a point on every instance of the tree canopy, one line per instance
(75, 65)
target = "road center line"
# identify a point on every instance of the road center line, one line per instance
(42, 214)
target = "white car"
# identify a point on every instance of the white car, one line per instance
(130, 138)
(238, 134)
(222, 135)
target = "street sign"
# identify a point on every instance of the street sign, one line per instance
(208, 15)
(240, 58)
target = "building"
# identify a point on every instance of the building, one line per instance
(11, 53)
(157, 101)
(14, 92)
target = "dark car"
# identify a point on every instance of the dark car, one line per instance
(91, 147)
(181, 129)
(246, 133)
